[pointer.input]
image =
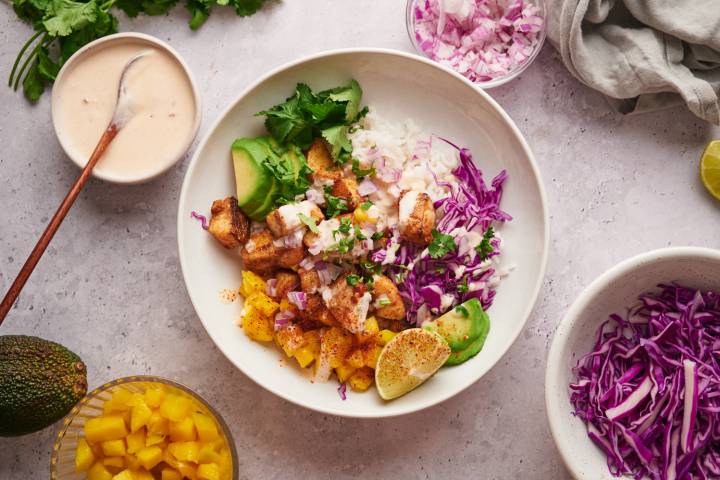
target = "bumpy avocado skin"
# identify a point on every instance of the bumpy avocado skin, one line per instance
(40, 381)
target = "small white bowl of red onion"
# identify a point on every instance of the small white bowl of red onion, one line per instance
(632, 386)
(490, 42)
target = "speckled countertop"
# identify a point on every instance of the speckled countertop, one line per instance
(110, 286)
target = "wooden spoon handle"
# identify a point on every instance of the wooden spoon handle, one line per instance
(55, 222)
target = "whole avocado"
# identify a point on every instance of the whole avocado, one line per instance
(40, 381)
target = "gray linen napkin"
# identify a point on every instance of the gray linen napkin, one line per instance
(644, 55)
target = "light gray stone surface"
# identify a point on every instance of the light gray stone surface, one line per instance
(110, 286)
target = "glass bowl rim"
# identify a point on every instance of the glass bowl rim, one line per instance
(495, 82)
(140, 379)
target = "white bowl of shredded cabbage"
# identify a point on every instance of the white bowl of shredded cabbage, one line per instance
(409, 98)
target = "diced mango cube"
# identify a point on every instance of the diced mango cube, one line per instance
(263, 304)
(182, 431)
(355, 359)
(121, 396)
(175, 407)
(154, 397)
(117, 462)
(98, 472)
(385, 337)
(208, 471)
(361, 379)
(361, 216)
(154, 439)
(205, 426)
(170, 474)
(142, 474)
(185, 451)
(126, 474)
(158, 425)
(84, 457)
(337, 343)
(139, 415)
(371, 355)
(149, 457)
(256, 326)
(344, 372)
(187, 470)
(105, 428)
(251, 283)
(304, 356)
(135, 441)
(208, 455)
(371, 325)
(132, 462)
(114, 448)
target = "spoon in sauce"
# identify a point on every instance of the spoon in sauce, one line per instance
(121, 114)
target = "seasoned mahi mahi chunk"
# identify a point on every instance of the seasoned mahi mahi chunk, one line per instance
(416, 217)
(347, 188)
(386, 299)
(263, 254)
(286, 281)
(317, 311)
(228, 224)
(309, 280)
(349, 304)
(287, 219)
(318, 156)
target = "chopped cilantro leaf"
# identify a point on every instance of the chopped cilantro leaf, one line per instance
(334, 206)
(383, 301)
(441, 244)
(366, 205)
(378, 235)
(463, 288)
(352, 280)
(359, 234)
(485, 248)
(345, 225)
(361, 172)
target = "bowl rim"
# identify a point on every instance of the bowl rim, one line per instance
(495, 82)
(120, 37)
(535, 171)
(141, 379)
(571, 319)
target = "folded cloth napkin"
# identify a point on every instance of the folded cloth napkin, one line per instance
(644, 55)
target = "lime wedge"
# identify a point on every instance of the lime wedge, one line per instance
(409, 359)
(710, 168)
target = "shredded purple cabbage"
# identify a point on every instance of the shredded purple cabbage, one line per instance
(650, 389)
(202, 218)
(462, 274)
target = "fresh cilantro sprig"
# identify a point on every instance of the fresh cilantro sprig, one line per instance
(485, 248)
(307, 115)
(334, 206)
(281, 162)
(441, 244)
(310, 222)
(62, 27)
(361, 172)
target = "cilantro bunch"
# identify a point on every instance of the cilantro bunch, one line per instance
(307, 115)
(62, 27)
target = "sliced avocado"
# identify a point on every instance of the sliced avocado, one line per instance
(268, 204)
(253, 180)
(456, 358)
(40, 381)
(461, 326)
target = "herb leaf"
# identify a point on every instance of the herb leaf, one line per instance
(485, 248)
(441, 244)
(361, 172)
(352, 280)
(310, 222)
(334, 206)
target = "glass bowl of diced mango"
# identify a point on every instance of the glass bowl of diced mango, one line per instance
(143, 428)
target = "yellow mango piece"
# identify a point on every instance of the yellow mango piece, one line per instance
(209, 455)
(371, 355)
(304, 356)
(208, 471)
(158, 425)
(251, 283)
(361, 379)
(84, 457)
(361, 216)
(205, 426)
(122, 396)
(338, 343)
(256, 326)
(263, 304)
(154, 397)
(136, 440)
(126, 474)
(139, 416)
(101, 429)
(170, 460)
(142, 474)
(187, 470)
(154, 439)
(114, 448)
(117, 462)
(344, 372)
(149, 457)
(170, 474)
(175, 407)
(98, 472)
(132, 462)
(385, 337)
(355, 359)
(183, 430)
(185, 451)
(371, 325)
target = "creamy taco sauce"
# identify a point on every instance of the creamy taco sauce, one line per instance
(162, 104)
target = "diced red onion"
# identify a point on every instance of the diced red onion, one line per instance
(202, 218)
(366, 187)
(342, 391)
(307, 263)
(299, 299)
(271, 287)
(282, 319)
(315, 196)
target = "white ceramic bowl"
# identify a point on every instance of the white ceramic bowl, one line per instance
(104, 42)
(612, 292)
(400, 86)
